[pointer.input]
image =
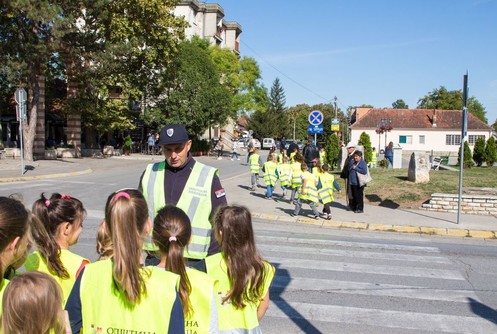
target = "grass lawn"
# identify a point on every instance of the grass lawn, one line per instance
(391, 188)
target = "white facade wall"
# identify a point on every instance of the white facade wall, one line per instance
(434, 139)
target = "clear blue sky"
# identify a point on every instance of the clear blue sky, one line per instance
(371, 51)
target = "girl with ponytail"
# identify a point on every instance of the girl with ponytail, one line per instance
(144, 298)
(62, 222)
(171, 234)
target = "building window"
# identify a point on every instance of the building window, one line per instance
(421, 139)
(473, 138)
(452, 139)
(405, 139)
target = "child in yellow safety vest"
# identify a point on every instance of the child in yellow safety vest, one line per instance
(255, 164)
(172, 233)
(145, 297)
(62, 222)
(296, 180)
(242, 276)
(374, 159)
(322, 156)
(308, 193)
(33, 304)
(327, 186)
(270, 170)
(284, 174)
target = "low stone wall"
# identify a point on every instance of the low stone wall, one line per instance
(471, 204)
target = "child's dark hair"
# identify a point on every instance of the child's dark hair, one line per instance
(172, 232)
(325, 168)
(14, 222)
(126, 215)
(246, 270)
(52, 212)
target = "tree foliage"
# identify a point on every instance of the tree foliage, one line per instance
(490, 151)
(451, 100)
(400, 104)
(479, 152)
(332, 151)
(468, 159)
(365, 142)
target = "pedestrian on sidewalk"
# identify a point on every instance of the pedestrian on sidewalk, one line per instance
(151, 143)
(296, 171)
(327, 186)
(357, 165)
(255, 164)
(234, 153)
(345, 173)
(242, 276)
(308, 193)
(220, 148)
(270, 170)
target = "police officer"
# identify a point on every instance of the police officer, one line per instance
(188, 184)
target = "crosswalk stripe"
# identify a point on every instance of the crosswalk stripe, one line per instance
(380, 318)
(372, 289)
(330, 243)
(287, 263)
(271, 249)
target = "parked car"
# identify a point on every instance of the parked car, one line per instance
(299, 144)
(257, 143)
(267, 143)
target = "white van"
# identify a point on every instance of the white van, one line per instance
(267, 143)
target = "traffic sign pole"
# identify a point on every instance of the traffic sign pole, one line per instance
(21, 98)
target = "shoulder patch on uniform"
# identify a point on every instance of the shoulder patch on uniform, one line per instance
(220, 193)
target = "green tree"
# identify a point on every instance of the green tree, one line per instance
(479, 152)
(277, 110)
(365, 142)
(332, 151)
(298, 117)
(490, 151)
(451, 100)
(468, 160)
(193, 92)
(400, 104)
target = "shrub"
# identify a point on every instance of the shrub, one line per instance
(468, 160)
(479, 152)
(490, 155)
(365, 142)
(332, 150)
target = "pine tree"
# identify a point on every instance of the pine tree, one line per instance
(332, 150)
(490, 152)
(479, 152)
(468, 160)
(365, 141)
(277, 111)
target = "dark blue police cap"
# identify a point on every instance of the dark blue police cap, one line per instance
(173, 134)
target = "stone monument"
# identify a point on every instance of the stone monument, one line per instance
(419, 169)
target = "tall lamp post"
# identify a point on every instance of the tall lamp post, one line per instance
(382, 127)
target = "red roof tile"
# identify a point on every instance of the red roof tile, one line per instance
(419, 119)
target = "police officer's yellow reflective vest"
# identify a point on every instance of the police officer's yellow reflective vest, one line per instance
(254, 163)
(201, 297)
(105, 308)
(310, 192)
(232, 320)
(327, 188)
(72, 262)
(195, 201)
(296, 168)
(270, 173)
(284, 174)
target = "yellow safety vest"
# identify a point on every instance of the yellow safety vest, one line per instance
(105, 308)
(284, 174)
(296, 174)
(327, 188)
(280, 158)
(316, 172)
(322, 157)
(232, 320)
(195, 201)
(3, 285)
(374, 158)
(270, 173)
(201, 297)
(72, 262)
(311, 192)
(254, 163)
(292, 156)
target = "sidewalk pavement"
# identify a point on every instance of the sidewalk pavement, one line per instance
(374, 218)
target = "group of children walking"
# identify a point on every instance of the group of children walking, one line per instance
(118, 293)
(307, 184)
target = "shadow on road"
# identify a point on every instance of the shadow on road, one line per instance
(483, 310)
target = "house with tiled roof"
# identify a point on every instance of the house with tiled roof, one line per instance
(426, 130)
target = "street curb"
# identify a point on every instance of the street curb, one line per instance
(43, 177)
(465, 233)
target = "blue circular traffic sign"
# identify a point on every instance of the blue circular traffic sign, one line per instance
(316, 117)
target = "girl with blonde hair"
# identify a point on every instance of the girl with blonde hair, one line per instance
(32, 303)
(145, 298)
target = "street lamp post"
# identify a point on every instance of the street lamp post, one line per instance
(382, 127)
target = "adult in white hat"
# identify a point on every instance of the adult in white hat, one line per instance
(345, 170)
